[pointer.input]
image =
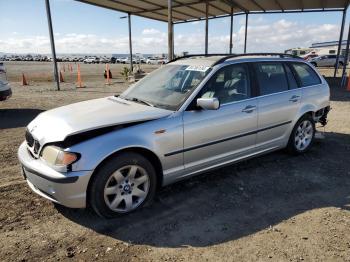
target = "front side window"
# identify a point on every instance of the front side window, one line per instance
(229, 84)
(306, 74)
(167, 87)
(271, 77)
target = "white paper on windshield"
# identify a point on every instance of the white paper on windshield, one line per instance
(198, 68)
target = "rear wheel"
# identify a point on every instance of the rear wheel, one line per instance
(302, 136)
(123, 185)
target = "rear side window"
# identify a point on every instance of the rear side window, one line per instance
(306, 74)
(271, 78)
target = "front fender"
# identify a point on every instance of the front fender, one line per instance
(97, 149)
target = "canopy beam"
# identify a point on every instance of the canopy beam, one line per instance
(246, 33)
(130, 44)
(206, 27)
(231, 30)
(340, 42)
(346, 58)
(170, 31)
(52, 42)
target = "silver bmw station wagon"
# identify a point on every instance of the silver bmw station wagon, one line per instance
(192, 115)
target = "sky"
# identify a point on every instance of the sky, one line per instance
(81, 28)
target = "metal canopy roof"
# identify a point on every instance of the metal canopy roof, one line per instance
(192, 10)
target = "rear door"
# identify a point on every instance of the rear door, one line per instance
(278, 102)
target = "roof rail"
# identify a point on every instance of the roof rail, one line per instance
(281, 55)
(194, 55)
(227, 56)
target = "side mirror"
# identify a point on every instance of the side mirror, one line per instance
(208, 103)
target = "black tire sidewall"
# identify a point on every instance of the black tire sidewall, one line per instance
(99, 180)
(291, 143)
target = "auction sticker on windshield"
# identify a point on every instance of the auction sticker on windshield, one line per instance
(198, 68)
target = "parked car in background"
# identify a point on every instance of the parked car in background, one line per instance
(124, 60)
(152, 61)
(327, 60)
(113, 60)
(308, 57)
(188, 117)
(91, 60)
(5, 89)
(104, 60)
(162, 61)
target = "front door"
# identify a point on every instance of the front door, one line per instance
(216, 136)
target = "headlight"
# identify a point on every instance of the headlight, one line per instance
(56, 156)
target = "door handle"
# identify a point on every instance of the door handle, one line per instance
(249, 109)
(294, 98)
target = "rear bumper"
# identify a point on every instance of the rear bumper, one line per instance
(68, 189)
(5, 94)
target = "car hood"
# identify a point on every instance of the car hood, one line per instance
(56, 124)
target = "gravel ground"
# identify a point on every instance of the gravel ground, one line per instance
(272, 208)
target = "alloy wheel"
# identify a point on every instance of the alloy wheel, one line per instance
(126, 188)
(304, 135)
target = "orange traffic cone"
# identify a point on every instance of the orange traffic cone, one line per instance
(79, 82)
(61, 77)
(108, 78)
(24, 80)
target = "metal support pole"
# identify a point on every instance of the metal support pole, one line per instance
(346, 58)
(130, 43)
(340, 42)
(52, 41)
(246, 30)
(170, 31)
(206, 27)
(231, 30)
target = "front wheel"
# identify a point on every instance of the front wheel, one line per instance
(302, 136)
(122, 185)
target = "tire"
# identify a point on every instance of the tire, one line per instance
(114, 191)
(302, 136)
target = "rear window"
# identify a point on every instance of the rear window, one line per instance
(306, 74)
(271, 78)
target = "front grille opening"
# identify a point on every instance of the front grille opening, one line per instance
(36, 146)
(33, 145)
(29, 139)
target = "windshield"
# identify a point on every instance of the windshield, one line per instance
(167, 87)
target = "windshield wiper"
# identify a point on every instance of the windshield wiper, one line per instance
(137, 100)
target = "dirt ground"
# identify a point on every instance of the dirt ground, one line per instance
(272, 208)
